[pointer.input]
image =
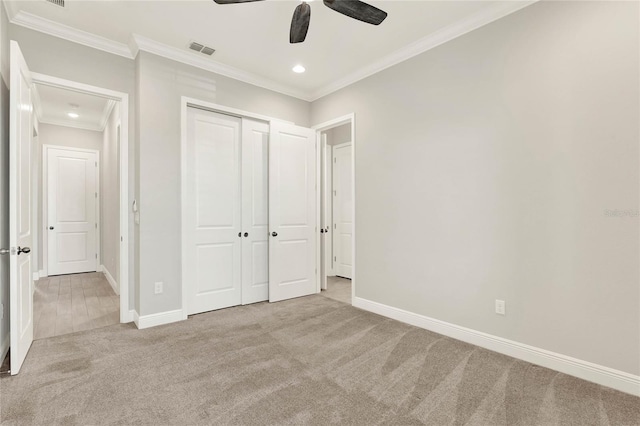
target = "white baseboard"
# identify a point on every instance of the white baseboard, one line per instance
(109, 277)
(36, 276)
(4, 347)
(586, 370)
(128, 316)
(161, 318)
(42, 273)
(99, 268)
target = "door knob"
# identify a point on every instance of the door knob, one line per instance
(25, 250)
(246, 234)
(274, 234)
(51, 228)
(240, 234)
(322, 231)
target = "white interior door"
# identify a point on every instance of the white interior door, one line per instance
(20, 213)
(292, 211)
(72, 223)
(255, 211)
(342, 210)
(213, 229)
(326, 262)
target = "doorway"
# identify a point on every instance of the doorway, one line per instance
(337, 208)
(50, 112)
(76, 211)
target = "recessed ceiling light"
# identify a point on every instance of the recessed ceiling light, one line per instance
(299, 69)
(73, 115)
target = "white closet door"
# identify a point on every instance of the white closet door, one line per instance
(342, 210)
(213, 222)
(292, 212)
(71, 211)
(255, 211)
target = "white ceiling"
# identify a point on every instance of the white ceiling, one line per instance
(55, 103)
(253, 38)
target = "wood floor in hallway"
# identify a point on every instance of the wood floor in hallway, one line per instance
(339, 289)
(68, 303)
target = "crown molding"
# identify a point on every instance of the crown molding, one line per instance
(424, 44)
(66, 32)
(141, 43)
(108, 107)
(64, 123)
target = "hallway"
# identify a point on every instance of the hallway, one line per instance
(339, 289)
(68, 303)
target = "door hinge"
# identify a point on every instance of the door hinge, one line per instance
(96, 194)
(335, 258)
(96, 164)
(335, 226)
(96, 226)
(96, 255)
(334, 160)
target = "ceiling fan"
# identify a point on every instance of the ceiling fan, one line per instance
(355, 9)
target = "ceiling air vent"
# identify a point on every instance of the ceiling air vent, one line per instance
(196, 46)
(56, 2)
(201, 48)
(207, 50)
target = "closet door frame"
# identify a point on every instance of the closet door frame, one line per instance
(185, 103)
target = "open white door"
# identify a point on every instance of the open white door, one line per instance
(325, 220)
(342, 210)
(20, 214)
(292, 211)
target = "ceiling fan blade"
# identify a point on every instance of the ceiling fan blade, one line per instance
(234, 1)
(357, 9)
(300, 23)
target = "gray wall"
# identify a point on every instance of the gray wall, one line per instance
(338, 135)
(110, 191)
(49, 134)
(60, 58)
(4, 178)
(487, 168)
(161, 83)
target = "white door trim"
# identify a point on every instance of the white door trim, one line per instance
(349, 118)
(185, 103)
(44, 202)
(126, 315)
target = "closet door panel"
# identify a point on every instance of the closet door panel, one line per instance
(255, 211)
(213, 196)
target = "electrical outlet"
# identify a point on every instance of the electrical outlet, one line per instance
(500, 307)
(158, 287)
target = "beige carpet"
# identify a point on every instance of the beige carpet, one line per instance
(312, 360)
